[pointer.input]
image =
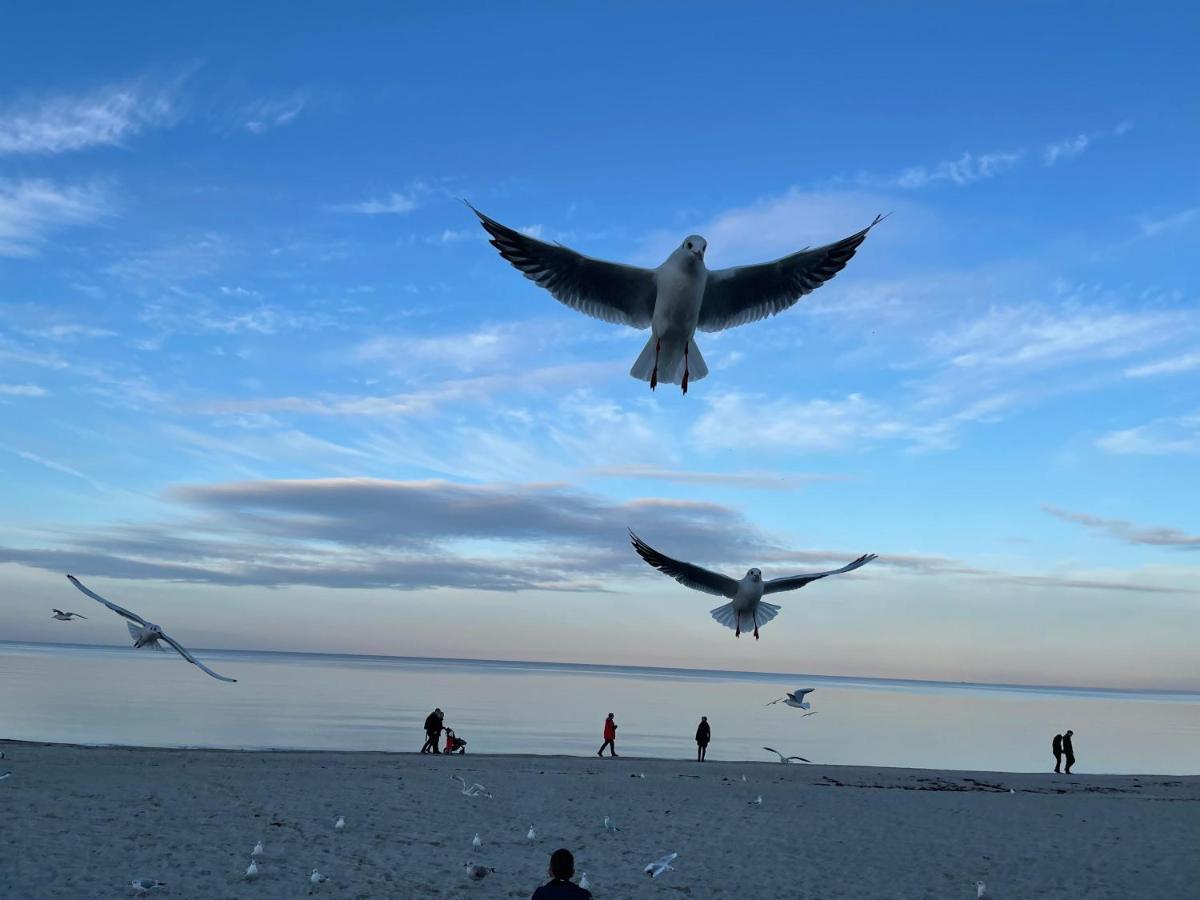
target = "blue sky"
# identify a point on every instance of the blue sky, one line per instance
(262, 378)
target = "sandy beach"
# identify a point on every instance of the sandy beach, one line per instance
(83, 822)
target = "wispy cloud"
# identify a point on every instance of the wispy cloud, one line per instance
(1065, 149)
(1154, 227)
(266, 115)
(1122, 530)
(394, 203)
(22, 390)
(966, 169)
(53, 465)
(32, 208)
(753, 480)
(1167, 436)
(107, 116)
(1187, 362)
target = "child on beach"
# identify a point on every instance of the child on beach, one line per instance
(560, 887)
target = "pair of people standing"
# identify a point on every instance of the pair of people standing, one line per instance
(1061, 747)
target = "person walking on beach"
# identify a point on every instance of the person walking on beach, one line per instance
(560, 887)
(1056, 749)
(703, 736)
(1068, 751)
(433, 730)
(610, 737)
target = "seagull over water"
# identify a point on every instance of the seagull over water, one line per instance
(796, 699)
(746, 606)
(66, 616)
(147, 634)
(678, 298)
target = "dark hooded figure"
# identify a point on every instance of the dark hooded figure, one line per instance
(433, 729)
(703, 736)
(1068, 751)
(560, 886)
(1056, 749)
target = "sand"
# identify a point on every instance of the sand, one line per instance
(81, 823)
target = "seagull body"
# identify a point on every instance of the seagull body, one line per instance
(5, 775)
(584, 883)
(476, 843)
(796, 699)
(66, 616)
(757, 801)
(785, 759)
(675, 300)
(316, 879)
(980, 890)
(147, 634)
(257, 851)
(143, 886)
(478, 873)
(340, 823)
(531, 835)
(252, 870)
(746, 604)
(659, 866)
(609, 825)
(471, 790)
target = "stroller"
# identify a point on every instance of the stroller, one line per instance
(454, 744)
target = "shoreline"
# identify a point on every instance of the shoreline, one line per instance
(84, 821)
(622, 759)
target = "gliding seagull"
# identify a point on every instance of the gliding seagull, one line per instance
(745, 595)
(786, 759)
(675, 300)
(796, 699)
(659, 866)
(147, 634)
(471, 790)
(66, 616)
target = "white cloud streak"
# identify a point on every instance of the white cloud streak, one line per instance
(31, 208)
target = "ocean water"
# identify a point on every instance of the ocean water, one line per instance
(111, 695)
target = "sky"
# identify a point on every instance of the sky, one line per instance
(263, 380)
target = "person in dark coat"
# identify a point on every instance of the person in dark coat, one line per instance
(560, 887)
(610, 737)
(1056, 749)
(703, 736)
(1068, 751)
(433, 730)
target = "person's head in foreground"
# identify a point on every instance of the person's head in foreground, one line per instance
(562, 864)
(1069, 732)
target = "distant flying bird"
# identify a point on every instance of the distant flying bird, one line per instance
(471, 790)
(340, 823)
(675, 300)
(796, 699)
(476, 842)
(786, 759)
(147, 634)
(659, 866)
(746, 604)
(66, 616)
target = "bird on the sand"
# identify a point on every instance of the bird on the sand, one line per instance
(5, 776)
(476, 842)
(471, 790)
(340, 824)
(252, 870)
(531, 835)
(257, 851)
(675, 300)
(143, 886)
(757, 801)
(316, 879)
(796, 699)
(478, 873)
(610, 825)
(147, 634)
(981, 891)
(65, 616)
(659, 866)
(745, 606)
(785, 759)
(584, 883)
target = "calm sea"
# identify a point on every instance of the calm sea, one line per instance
(102, 695)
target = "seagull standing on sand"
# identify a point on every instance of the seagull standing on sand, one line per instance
(659, 866)
(476, 843)
(252, 870)
(531, 835)
(66, 616)
(147, 634)
(746, 604)
(584, 883)
(257, 851)
(340, 823)
(795, 699)
(757, 801)
(316, 879)
(980, 891)
(785, 759)
(675, 300)
(609, 825)
(143, 886)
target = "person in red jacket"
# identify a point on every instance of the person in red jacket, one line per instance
(610, 737)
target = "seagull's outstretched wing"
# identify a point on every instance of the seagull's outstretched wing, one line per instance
(195, 662)
(696, 577)
(119, 610)
(801, 758)
(749, 293)
(791, 582)
(776, 752)
(800, 694)
(609, 291)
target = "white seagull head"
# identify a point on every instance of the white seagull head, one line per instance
(695, 245)
(754, 574)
